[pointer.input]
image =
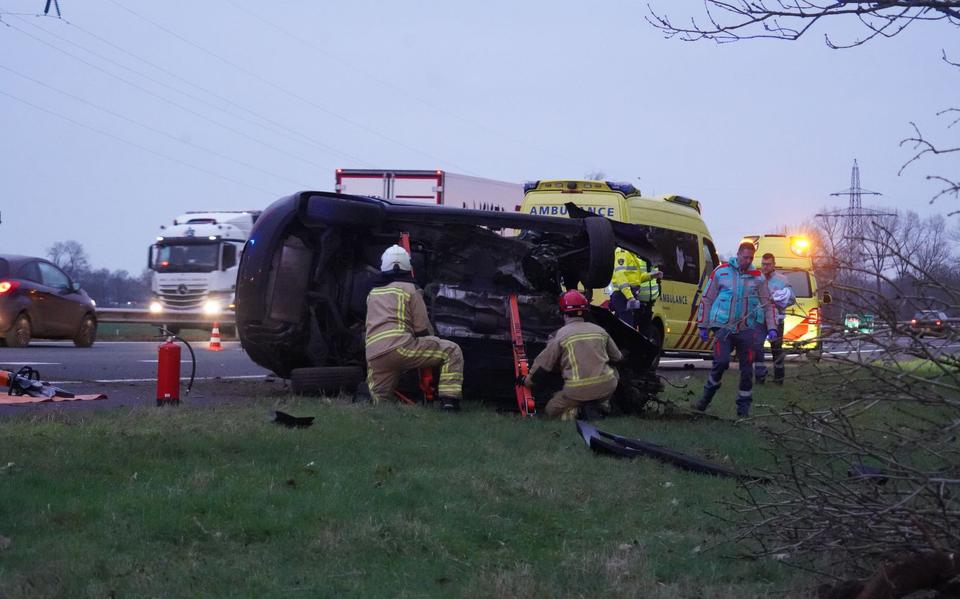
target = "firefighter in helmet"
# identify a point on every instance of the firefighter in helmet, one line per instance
(581, 351)
(399, 336)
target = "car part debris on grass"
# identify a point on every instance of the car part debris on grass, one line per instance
(291, 421)
(611, 444)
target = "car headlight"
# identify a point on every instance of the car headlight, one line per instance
(156, 307)
(212, 307)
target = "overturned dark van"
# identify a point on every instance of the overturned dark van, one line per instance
(312, 258)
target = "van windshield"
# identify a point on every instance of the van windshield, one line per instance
(799, 281)
(187, 258)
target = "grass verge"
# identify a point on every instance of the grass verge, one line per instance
(370, 501)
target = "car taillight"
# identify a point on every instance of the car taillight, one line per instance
(813, 317)
(939, 323)
(8, 286)
(914, 322)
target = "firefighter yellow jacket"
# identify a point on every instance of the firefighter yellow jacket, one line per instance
(582, 352)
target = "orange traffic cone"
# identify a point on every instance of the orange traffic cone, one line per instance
(215, 338)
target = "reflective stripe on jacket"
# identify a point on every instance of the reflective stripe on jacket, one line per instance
(395, 314)
(582, 352)
(735, 299)
(630, 271)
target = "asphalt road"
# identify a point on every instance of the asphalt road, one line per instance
(126, 371)
(112, 362)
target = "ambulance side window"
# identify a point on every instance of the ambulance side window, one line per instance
(680, 252)
(710, 259)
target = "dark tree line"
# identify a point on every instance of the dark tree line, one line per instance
(108, 288)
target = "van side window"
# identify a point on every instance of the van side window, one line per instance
(710, 260)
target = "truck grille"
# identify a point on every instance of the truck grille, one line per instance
(183, 297)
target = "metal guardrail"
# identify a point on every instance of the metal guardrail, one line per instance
(171, 317)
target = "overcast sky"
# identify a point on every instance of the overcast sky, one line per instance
(230, 104)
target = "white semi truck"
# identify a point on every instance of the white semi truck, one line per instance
(432, 187)
(195, 262)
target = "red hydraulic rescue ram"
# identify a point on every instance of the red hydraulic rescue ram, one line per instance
(520, 365)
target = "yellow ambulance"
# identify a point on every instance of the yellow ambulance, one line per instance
(671, 223)
(801, 329)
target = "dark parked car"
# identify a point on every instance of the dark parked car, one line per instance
(313, 257)
(37, 299)
(929, 321)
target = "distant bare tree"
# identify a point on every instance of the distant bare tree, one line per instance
(726, 21)
(595, 176)
(733, 20)
(69, 256)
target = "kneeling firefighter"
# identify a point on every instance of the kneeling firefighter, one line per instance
(399, 336)
(582, 351)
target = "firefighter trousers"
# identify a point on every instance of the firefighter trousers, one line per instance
(563, 401)
(384, 372)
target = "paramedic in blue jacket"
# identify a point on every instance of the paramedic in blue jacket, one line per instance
(781, 294)
(734, 299)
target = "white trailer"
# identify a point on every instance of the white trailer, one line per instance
(195, 263)
(432, 187)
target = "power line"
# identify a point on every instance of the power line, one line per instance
(163, 98)
(482, 126)
(154, 129)
(289, 92)
(276, 126)
(136, 145)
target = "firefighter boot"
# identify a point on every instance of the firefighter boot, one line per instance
(449, 404)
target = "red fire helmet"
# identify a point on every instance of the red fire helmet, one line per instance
(573, 301)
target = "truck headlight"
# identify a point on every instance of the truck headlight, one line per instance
(212, 307)
(156, 307)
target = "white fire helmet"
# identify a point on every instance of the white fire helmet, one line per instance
(395, 256)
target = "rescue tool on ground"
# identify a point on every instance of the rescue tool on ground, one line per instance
(25, 386)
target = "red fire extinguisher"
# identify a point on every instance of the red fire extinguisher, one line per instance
(168, 373)
(168, 369)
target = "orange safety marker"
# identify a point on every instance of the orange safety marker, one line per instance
(215, 338)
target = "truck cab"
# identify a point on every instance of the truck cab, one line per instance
(195, 261)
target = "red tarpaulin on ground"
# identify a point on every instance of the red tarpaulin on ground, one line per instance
(20, 399)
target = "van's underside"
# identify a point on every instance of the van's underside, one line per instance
(313, 258)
